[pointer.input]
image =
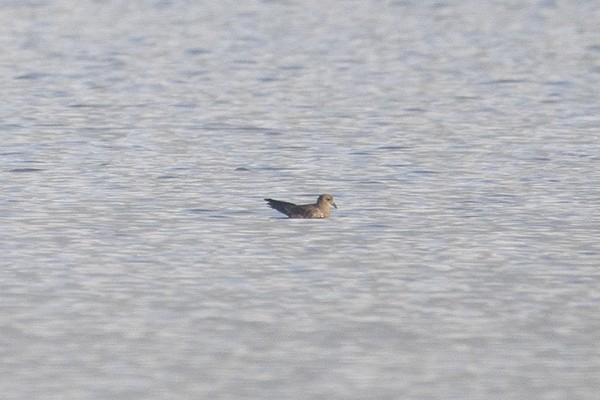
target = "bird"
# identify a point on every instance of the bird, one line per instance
(318, 210)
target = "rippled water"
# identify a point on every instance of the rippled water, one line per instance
(460, 140)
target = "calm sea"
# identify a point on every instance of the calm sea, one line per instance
(460, 139)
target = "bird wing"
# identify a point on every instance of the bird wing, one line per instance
(282, 206)
(295, 211)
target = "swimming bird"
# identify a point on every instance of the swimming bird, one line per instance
(319, 210)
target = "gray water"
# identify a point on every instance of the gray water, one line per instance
(461, 141)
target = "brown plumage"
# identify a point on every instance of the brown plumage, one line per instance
(319, 210)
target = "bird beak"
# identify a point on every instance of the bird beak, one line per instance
(333, 204)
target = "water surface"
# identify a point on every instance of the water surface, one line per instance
(460, 140)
